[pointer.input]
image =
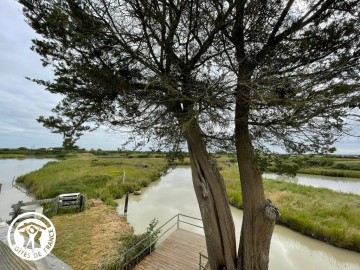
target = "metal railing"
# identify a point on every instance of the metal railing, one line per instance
(201, 260)
(149, 242)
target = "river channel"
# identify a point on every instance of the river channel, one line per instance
(174, 194)
(340, 184)
(10, 169)
(290, 250)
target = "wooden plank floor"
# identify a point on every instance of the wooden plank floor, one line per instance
(180, 251)
(9, 261)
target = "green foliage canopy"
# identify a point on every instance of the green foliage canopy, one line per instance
(146, 64)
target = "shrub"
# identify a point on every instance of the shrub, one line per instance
(136, 248)
(340, 166)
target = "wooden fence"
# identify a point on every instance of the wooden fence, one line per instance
(63, 201)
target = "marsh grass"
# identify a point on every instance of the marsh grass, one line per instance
(93, 176)
(332, 172)
(327, 165)
(89, 239)
(15, 156)
(317, 212)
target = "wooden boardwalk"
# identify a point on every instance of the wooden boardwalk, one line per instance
(9, 261)
(180, 251)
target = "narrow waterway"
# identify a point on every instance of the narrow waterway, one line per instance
(10, 169)
(340, 184)
(289, 250)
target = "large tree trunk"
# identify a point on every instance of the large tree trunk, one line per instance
(259, 214)
(211, 195)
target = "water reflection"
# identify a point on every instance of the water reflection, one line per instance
(9, 169)
(289, 250)
(341, 184)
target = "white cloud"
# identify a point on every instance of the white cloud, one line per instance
(22, 101)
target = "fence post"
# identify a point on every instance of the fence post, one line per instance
(56, 205)
(126, 203)
(200, 261)
(82, 203)
(178, 220)
(0, 187)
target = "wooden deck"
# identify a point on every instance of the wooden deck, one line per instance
(180, 251)
(9, 261)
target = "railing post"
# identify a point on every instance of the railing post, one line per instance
(150, 241)
(199, 260)
(139, 255)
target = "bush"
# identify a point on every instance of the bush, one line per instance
(340, 166)
(136, 248)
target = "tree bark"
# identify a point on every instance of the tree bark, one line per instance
(214, 207)
(259, 214)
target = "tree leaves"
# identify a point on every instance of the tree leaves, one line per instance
(143, 65)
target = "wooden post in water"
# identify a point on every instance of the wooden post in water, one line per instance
(126, 203)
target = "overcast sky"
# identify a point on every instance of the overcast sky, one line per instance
(22, 101)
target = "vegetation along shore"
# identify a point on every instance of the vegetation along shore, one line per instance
(317, 212)
(320, 213)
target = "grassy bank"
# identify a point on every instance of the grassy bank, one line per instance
(23, 152)
(327, 166)
(93, 176)
(58, 152)
(10, 155)
(323, 165)
(320, 213)
(90, 239)
(331, 172)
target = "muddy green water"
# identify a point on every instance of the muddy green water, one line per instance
(289, 250)
(10, 168)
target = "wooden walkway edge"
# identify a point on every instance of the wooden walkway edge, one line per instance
(9, 261)
(180, 251)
